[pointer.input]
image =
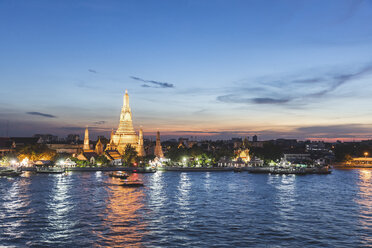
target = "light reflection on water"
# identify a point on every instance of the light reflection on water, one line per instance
(121, 221)
(58, 207)
(364, 199)
(286, 193)
(183, 200)
(15, 201)
(187, 209)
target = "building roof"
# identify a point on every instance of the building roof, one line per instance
(113, 154)
(88, 155)
(25, 140)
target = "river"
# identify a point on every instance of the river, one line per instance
(187, 209)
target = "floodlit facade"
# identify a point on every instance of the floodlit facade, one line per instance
(125, 134)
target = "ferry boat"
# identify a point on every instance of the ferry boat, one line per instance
(144, 170)
(284, 167)
(132, 184)
(238, 169)
(50, 170)
(10, 173)
(119, 174)
(288, 171)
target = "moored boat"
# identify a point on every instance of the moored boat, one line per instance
(50, 170)
(144, 170)
(10, 173)
(238, 169)
(288, 171)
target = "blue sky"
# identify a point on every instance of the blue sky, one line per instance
(297, 69)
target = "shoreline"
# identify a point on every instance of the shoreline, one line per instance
(176, 169)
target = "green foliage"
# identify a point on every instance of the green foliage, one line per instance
(268, 152)
(197, 155)
(36, 152)
(130, 156)
(102, 160)
(5, 160)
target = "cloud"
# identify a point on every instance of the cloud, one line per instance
(152, 83)
(343, 129)
(352, 9)
(292, 90)
(267, 100)
(41, 114)
(258, 100)
(99, 122)
(92, 71)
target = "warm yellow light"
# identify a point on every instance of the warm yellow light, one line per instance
(365, 154)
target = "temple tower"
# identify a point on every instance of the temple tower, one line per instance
(125, 134)
(86, 140)
(158, 149)
(126, 125)
(110, 145)
(140, 148)
(99, 147)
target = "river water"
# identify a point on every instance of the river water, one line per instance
(193, 209)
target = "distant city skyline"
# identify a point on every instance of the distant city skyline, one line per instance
(217, 69)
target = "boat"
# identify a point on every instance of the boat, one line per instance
(119, 175)
(238, 169)
(319, 170)
(10, 173)
(50, 170)
(288, 171)
(132, 184)
(144, 170)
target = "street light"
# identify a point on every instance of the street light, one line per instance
(365, 154)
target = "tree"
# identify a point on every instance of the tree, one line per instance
(130, 155)
(102, 160)
(36, 152)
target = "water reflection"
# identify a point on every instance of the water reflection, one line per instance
(364, 199)
(122, 224)
(13, 211)
(207, 183)
(285, 189)
(184, 193)
(158, 196)
(59, 207)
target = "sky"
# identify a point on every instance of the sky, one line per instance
(209, 69)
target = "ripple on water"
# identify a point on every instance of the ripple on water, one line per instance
(188, 210)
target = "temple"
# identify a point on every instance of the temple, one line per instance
(86, 146)
(158, 149)
(125, 134)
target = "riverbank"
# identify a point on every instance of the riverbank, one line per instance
(345, 166)
(197, 169)
(129, 169)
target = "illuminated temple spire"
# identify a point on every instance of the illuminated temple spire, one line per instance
(99, 147)
(158, 150)
(125, 134)
(141, 149)
(86, 139)
(126, 125)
